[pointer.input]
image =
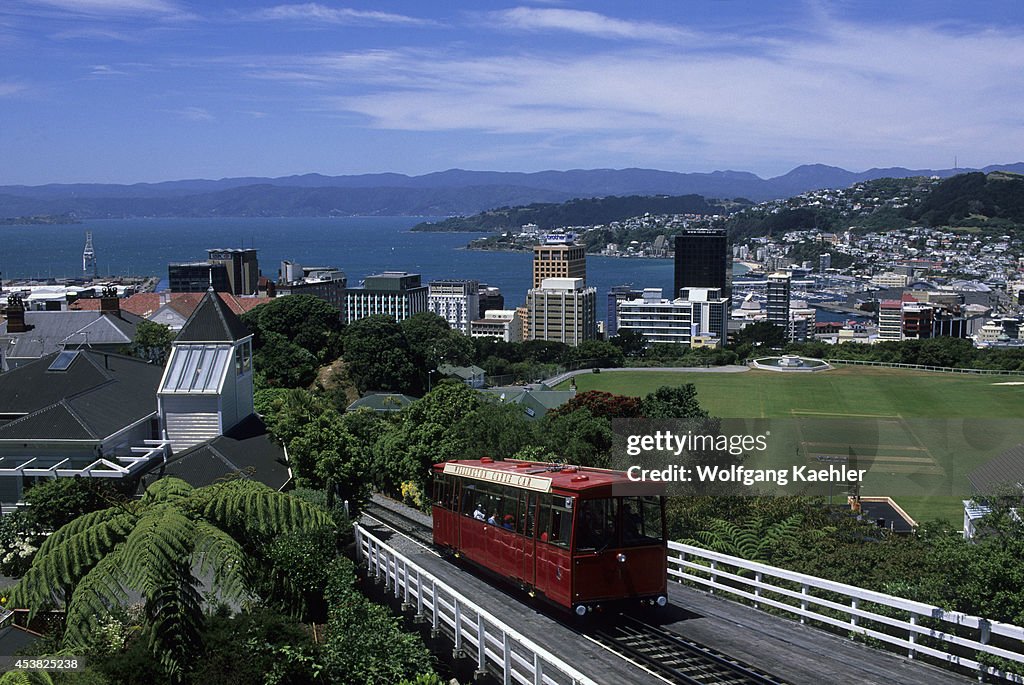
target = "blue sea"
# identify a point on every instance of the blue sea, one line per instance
(359, 246)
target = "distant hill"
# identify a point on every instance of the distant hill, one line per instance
(452, 192)
(578, 212)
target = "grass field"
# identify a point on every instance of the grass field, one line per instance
(919, 433)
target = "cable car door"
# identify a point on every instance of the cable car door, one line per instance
(528, 505)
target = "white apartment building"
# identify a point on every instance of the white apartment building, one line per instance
(503, 324)
(455, 301)
(699, 313)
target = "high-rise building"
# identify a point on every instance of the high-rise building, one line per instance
(325, 282)
(559, 257)
(825, 262)
(778, 300)
(618, 293)
(890, 320)
(562, 309)
(242, 266)
(196, 277)
(457, 302)
(702, 260)
(393, 293)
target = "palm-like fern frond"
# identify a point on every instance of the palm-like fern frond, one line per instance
(154, 546)
(752, 539)
(62, 564)
(218, 552)
(250, 506)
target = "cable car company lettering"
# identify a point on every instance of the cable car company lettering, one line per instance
(518, 480)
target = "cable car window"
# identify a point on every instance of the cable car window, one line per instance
(560, 529)
(596, 525)
(470, 499)
(527, 502)
(641, 521)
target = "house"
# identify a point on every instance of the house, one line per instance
(77, 413)
(172, 309)
(535, 399)
(385, 402)
(473, 376)
(29, 335)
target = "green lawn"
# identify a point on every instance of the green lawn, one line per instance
(920, 433)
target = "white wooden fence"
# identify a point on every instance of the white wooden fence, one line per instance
(951, 637)
(494, 645)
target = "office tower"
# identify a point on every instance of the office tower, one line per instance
(619, 293)
(242, 267)
(558, 257)
(778, 300)
(562, 309)
(702, 260)
(393, 293)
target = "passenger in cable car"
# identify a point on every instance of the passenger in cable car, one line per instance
(508, 522)
(479, 513)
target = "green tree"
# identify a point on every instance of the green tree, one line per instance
(494, 430)
(577, 437)
(307, 321)
(155, 546)
(760, 336)
(57, 502)
(596, 353)
(629, 341)
(152, 341)
(364, 644)
(325, 455)
(673, 402)
(282, 363)
(378, 356)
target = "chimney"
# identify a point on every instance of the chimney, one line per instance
(109, 302)
(15, 314)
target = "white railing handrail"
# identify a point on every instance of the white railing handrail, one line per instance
(927, 367)
(680, 565)
(365, 540)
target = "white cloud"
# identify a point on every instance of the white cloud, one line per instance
(114, 6)
(193, 114)
(588, 23)
(845, 93)
(314, 12)
(8, 88)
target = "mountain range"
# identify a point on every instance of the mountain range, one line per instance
(445, 193)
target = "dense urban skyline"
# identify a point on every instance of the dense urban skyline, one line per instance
(149, 90)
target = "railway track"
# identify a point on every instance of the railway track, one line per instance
(668, 655)
(676, 659)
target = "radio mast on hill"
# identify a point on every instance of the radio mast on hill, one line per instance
(88, 257)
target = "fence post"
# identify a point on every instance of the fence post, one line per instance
(714, 577)
(854, 603)
(481, 646)
(419, 595)
(435, 614)
(912, 636)
(458, 653)
(538, 670)
(757, 589)
(506, 657)
(803, 602)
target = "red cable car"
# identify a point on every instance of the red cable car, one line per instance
(582, 538)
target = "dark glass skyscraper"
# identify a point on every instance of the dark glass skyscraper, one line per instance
(702, 260)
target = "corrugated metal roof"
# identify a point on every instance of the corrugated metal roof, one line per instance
(1006, 469)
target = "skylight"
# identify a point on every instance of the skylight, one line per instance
(63, 360)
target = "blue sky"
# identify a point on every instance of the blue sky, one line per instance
(149, 90)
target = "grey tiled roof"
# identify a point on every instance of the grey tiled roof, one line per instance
(212, 321)
(383, 401)
(1005, 470)
(51, 330)
(246, 450)
(98, 395)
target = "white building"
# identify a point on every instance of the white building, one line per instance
(562, 309)
(503, 324)
(207, 386)
(889, 280)
(700, 312)
(457, 302)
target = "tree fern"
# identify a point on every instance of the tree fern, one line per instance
(155, 547)
(754, 539)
